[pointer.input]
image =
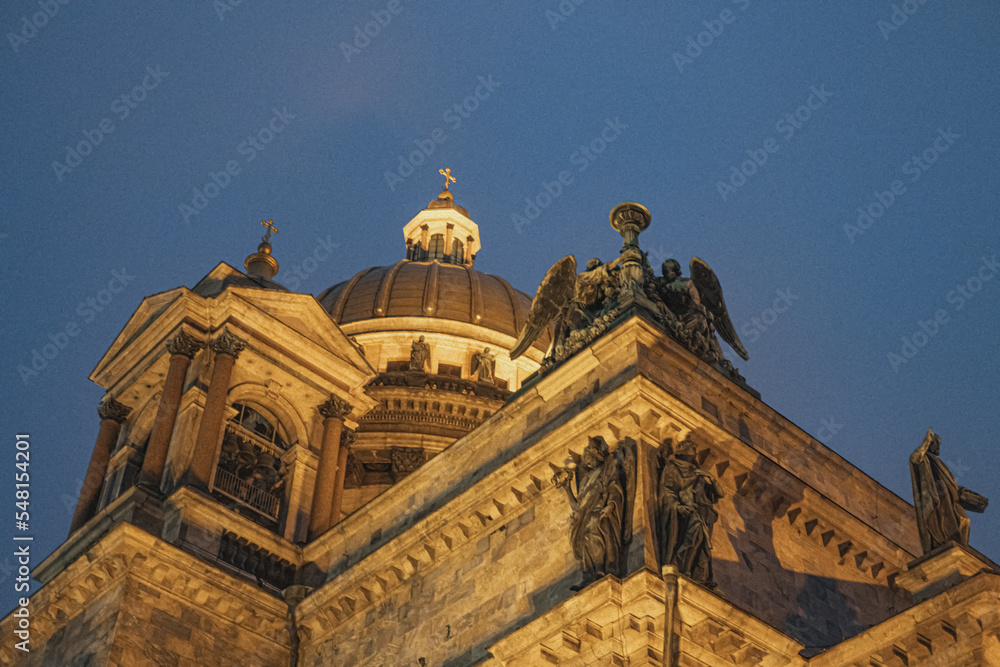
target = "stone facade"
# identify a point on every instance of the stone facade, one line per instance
(418, 522)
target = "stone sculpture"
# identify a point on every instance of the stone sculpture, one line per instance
(582, 306)
(484, 364)
(939, 501)
(685, 499)
(600, 527)
(420, 355)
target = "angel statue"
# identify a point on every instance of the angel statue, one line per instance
(698, 305)
(574, 302)
(938, 500)
(685, 501)
(484, 364)
(601, 526)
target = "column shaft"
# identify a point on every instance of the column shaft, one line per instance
(166, 417)
(207, 443)
(93, 481)
(326, 477)
(338, 490)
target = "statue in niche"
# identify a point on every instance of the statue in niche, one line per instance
(699, 308)
(601, 526)
(939, 501)
(581, 306)
(420, 355)
(484, 364)
(685, 501)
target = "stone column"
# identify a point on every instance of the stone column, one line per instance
(333, 411)
(182, 348)
(227, 348)
(338, 492)
(112, 414)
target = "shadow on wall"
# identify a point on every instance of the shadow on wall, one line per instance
(817, 611)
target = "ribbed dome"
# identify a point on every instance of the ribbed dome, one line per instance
(431, 289)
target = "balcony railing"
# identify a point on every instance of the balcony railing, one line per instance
(246, 494)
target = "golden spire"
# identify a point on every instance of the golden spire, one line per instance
(261, 263)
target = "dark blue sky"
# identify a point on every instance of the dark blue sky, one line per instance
(840, 107)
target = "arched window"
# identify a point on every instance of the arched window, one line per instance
(436, 249)
(250, 470)
(457, 252)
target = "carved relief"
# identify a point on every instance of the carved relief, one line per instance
(227, 343)
(112, 409)
(184, 344)
(336, 408)
(254, 560)
(405, 460)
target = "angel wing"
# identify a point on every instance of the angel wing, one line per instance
(553, 293)
(710, 292)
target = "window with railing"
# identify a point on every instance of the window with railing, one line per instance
(250, 471)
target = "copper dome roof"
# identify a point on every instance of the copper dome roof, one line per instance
(430, 289)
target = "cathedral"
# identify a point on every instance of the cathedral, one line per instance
(423, 466)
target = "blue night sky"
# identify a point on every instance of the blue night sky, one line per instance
(829, 160)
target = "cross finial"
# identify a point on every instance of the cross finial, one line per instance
(448, 178)
(269, 225)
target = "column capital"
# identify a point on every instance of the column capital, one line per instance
(348, 437)
(227, 343)
(336, 408)
(184, 344)
(112, 409)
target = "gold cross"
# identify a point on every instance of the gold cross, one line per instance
(268, 224)
(448, 178)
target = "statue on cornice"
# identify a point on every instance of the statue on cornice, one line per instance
(420, 355)
(699, 308)
(685, 499)
(938, 500)
(483, 365)
(600, 527)
(583, 306)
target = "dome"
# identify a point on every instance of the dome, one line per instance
(431, 290)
